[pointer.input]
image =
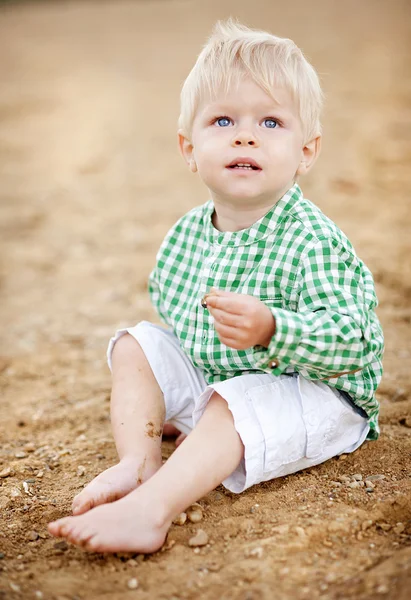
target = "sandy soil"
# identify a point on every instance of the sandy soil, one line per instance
(90, 182)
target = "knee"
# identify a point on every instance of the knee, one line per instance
(125, 347)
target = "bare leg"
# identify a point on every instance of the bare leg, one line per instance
(137, 417)
(139, 522)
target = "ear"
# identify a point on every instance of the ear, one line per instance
(309, 155)
(187, 151)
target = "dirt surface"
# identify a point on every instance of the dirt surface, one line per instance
(90, 182)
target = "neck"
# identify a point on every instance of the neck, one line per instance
(234, 215)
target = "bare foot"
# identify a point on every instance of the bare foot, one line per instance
(128, 525)
(114, 483)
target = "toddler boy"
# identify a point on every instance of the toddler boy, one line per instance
(272, 352)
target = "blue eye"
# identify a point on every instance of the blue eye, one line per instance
(223, 122)
(270, 123)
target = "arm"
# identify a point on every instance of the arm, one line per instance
(330, 334)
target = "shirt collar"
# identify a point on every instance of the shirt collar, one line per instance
(258, 230)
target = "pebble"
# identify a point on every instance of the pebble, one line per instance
(15, 493)
(382, 589)
(343, 457)
(336, 483)
(200, 539)
(40, 474)
(357, 477)
(61, 546)
(384, 526)
(81, 470)
(195, 513)
(375, 477)
(254, 552)
(344, 479)
(354, 484)
(281, 529)
(180, 519)
(132, 584)
(33, 536)
(300, 531)
(38, 595)
(399, 528)
(6, 472)
(20, 454)
(15, 587)
(367, 524)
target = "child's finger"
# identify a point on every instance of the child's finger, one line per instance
(224, 317)
(232, 304)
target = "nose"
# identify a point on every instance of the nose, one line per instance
(244, 138)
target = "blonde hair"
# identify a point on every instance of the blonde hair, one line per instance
(233, 51)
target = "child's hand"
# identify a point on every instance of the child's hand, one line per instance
(241, 321)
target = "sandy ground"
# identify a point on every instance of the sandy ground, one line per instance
(90, 182)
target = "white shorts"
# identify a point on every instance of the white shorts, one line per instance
(286, 423)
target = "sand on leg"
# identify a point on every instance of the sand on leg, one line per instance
(137, 418)
(139, 522)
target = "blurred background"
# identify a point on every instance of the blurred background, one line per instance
(90, 176)
(90, 182)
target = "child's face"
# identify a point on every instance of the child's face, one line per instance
(247, 126)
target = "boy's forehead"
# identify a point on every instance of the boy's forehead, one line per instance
(247, 95)
(246, 98)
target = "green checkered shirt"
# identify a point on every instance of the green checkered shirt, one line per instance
(296, 261)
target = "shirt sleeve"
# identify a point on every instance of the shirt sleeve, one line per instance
(330, 334)
(155, 295)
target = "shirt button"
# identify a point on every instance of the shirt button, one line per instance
(273, 364)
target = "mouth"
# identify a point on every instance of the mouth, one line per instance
(244, 164)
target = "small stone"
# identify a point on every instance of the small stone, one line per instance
(15, 493)
(63, 546)
(81, 470)
(6, 472)
(375, 477)
(336, 483)
(284, 571)
(382, 589)
(2, 555)
(15, 587)
(81, 438)
(300, 531)
(38, 595)
(196, 550)
(132, 563)
(254, 552)
(354, 484)
(281, 529)
(20, 454)
(344, 479)
(343, 457)
(384, 526)
(369, 490)
(367, 524)
(330, 577)
(33, 536)
(195, 513)
(200, 539)
(40, 474)
(132, 584)
(29, 447)
(357, 477)
(180, 519)
(399, 528)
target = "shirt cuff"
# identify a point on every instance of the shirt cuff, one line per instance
(285, 341)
